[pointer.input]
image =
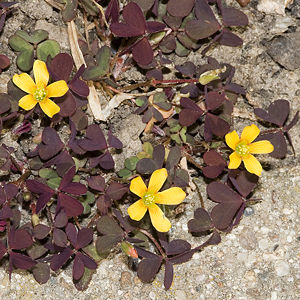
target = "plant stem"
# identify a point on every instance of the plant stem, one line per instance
(151, 237)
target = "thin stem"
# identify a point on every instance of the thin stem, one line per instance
(151, 237)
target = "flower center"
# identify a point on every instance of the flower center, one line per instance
(40, 93)
(242, 149)
(148, 199)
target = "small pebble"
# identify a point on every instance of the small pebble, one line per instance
(282, 268)
(248, 211)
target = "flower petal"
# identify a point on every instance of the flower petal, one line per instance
(250, 133)
(57, 89)
(172, 196)
(138, 187)
(24, 82)
(232, 138)
(158, 219)
(261, 147)
(235, 161)
(137, 210)
(157, 180)
(40, 72)
(252, 165)
(49, 107)
(27, 102)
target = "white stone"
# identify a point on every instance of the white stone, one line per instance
(263, 244)
(282, 268)
(180, 295)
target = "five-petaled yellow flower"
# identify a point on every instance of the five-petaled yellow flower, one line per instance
(150, 197)
(39, 91)
(244, 148)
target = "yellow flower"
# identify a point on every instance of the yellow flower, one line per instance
(39, 91)
(150, 197)
(243, 148)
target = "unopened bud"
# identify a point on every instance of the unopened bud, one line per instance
(27, 196)
(35, 219)
(129, 250)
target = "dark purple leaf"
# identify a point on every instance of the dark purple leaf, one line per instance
(190, 113)
(214, 100)
(5, 104)
(41, 272)
(125, 30)
(233, 17)
(148, 268)
(146, 254)
(123, 221)
(88, 262)
(3, 249)
(133, 16)
(173, 158)
(168, 44)
(61, 219)
(60, 259)
(78, 268)
(95, 139)
(173, 22)
(97, 183)
(153, 26)
(71, 232)
(293, 122)
(106, 161)
(59, 238)
(78, 86)
(278, 141)
(169, 274)
(84, 237)
(21, 261)
(235, 88)
(6, 212)
(276, 113)
(63, 162)
(70, 187)
(179, 8)
(155, 73)
(187, 69)
(116, 191)
(113, 141)
(40, 231)
(201, 221)
(159, 155)
(214, 125)
(244, 183)
(192, 89)
(227, 38)
(178, 246)
(142, 52)
(214, 239)
(106, 242)
(221, 193)
(51, 144)
(106, 225)
(61, 66)
(19, 239)
(113, 11)
(146, 166)
(182, 258)
(67, 105)
(72, 207)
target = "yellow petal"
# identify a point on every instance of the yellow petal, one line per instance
(252, 165)
(158, 219)
(137, 210)
(57, 89)
(172, 196)
(27, 102)
(24, 82)
(40, 72)
(49, 107)
(250, 133)
(235, 161)
(157, 180)
(138, 187)
(261, 147)
(232, 139)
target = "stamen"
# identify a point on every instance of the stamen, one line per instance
(242, 149)
(148, 199)
(40, 93)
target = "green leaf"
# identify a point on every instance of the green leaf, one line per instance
(181, 50)
(86, 201)
(19, 44)
(148, 148)
(211, 75)
(47, 173)
(92, 252)
(48, 48)
(70, 10)
(130, 163)
(175, 137)
(76, 178)
(124, 173)
(140, 101)
(175, 128)
(54, 182)
(25, 60)
(83, 283)
(36, 37)
(102, 67)
(79, 163)
(182, 134)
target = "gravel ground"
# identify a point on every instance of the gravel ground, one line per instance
(260, 258)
